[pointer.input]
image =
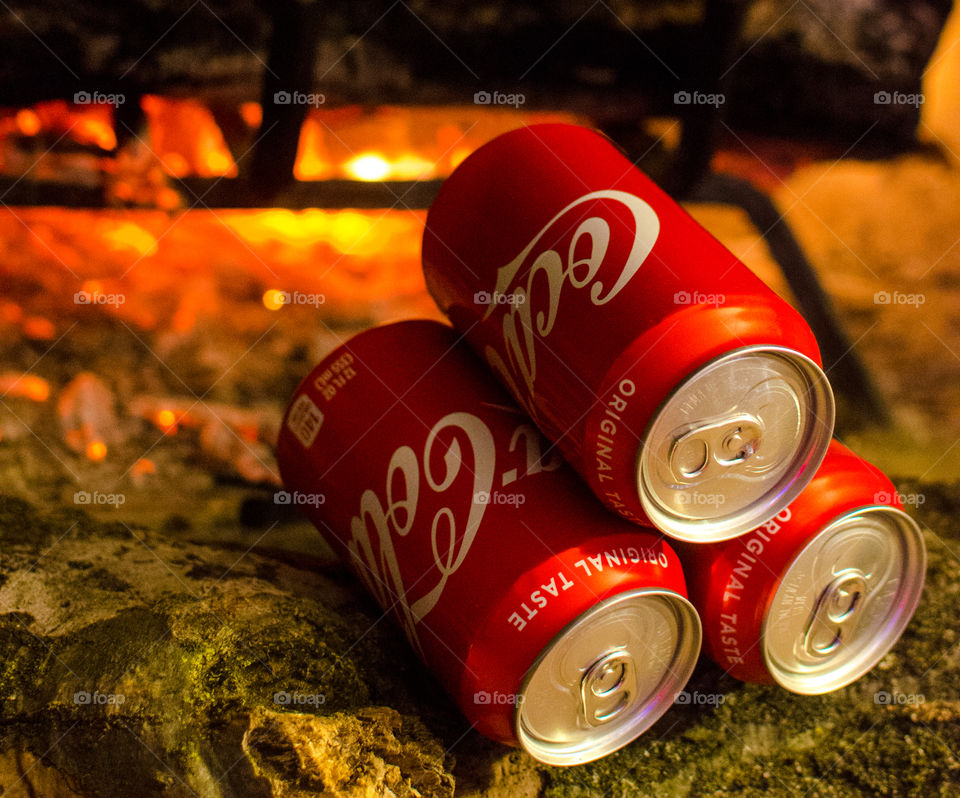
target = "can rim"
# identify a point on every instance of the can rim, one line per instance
(674, 678)
(810, 454)
(913, 566)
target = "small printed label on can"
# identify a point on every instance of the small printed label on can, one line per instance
(582, 570)
(304, 420)
(335, 376)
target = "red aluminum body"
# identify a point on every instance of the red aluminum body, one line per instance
(436, 495)
(733, 583)
(602, 293)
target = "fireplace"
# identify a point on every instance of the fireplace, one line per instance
(190, 221)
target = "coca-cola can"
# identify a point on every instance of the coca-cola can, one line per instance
(684, 390)
(816, 596)
(552, 623)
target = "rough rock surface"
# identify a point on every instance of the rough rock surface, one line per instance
(135, 663)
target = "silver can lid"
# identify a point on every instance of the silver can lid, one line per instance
(735, 443)
(608, 676)
(844, 600)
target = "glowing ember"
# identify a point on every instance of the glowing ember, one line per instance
(252, 114)
(10, 311)
(166, 420)
(142, 467)
(92, 287)
(38, 328)
(156, 271)
(273, 299)
(24, 386)
(126, 235)
(96, 450)
(85, 408)
(85, 124)
(240, 438)
(28, 122)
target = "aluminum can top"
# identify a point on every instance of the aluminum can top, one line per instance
(844, 600)
(578, 706)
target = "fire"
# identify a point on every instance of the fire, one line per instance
(41, 141)
(186, 138)
(390, 143)
(368, 167)
(151, 269)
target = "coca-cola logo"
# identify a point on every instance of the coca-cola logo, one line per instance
(537, 278)
(385, 521)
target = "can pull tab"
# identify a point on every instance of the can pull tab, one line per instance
(835, 613)
(703, 450)
(608, 686)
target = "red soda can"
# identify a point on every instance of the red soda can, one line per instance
(815, 597)
(686, 393)
(552, 623)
